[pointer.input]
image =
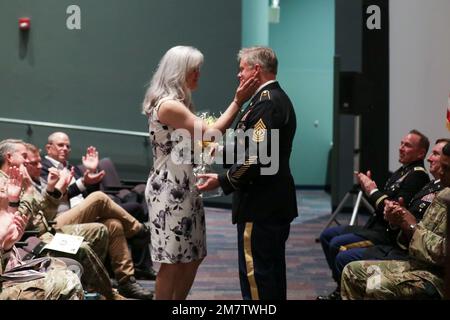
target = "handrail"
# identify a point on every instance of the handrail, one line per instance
(76, 127)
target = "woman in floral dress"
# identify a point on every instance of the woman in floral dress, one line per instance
(177, 217)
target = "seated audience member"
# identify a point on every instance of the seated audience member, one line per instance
(93, 249)
(404, 183)
(398, 249)
(419, 277)
(53, 281)
(96, 208)
(83, 184)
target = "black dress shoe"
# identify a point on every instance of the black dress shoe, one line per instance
(133, 290)
(142, 238)
(145, 274)
(335, 295)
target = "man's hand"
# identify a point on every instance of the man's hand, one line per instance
(390, 205)
(91, 178)
(16, 224)
(366, 182)
(3, 193)
(14, 183)
(52, 179)
(208, 181)
(65, 177)
(90, 160)
(27, 182)
(396, 214)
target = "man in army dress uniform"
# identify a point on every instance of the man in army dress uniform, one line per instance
(264, 204)
(419, 277)
(350, 241)
(398, 249)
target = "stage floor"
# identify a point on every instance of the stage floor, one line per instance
(307, 272)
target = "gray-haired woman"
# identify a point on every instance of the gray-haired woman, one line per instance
(175, 206)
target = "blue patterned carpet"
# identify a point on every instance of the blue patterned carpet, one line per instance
(307, 272)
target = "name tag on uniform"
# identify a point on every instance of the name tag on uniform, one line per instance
(65, 243)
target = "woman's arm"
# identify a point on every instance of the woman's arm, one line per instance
(175, 114)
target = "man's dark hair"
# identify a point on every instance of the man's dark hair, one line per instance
(446, 150)
(424, 143)
(440, 140)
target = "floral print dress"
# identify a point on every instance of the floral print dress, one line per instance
(177, 218)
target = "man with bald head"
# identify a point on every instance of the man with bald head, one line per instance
(84, 204)
(58, 150)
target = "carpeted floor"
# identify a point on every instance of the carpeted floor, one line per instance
(307, 272)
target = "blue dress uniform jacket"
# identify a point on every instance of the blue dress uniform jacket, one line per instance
(258, 197)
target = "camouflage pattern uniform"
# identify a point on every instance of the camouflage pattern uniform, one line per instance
(59, 283)
(95, 277)
(421, 277)
(93, 250)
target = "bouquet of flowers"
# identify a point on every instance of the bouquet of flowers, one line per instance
(205, 156)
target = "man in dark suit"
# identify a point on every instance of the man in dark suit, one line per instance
(264, 198)
(58, 151)
(97, 207)
(349, 243)
(84, 183)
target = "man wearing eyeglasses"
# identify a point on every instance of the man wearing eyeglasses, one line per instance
(87, 204)
(58, 151)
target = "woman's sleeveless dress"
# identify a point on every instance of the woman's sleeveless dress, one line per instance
(177, 218)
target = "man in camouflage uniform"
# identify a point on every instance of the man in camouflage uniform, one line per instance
(42, 208)
(59, 283)
(55, 282)
(421, 276)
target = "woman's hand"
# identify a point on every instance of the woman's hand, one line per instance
(245, 90)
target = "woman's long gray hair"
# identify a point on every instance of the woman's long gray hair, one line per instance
(169, 80)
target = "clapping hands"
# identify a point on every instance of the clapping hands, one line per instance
(396, 214)
(366, 182)
(90, 160)
(14, 183)
(12, 228)
(12, 224)
(91, 178)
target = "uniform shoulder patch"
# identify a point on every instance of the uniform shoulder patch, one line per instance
(259, 131)
(265, 95)
(419, 169)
